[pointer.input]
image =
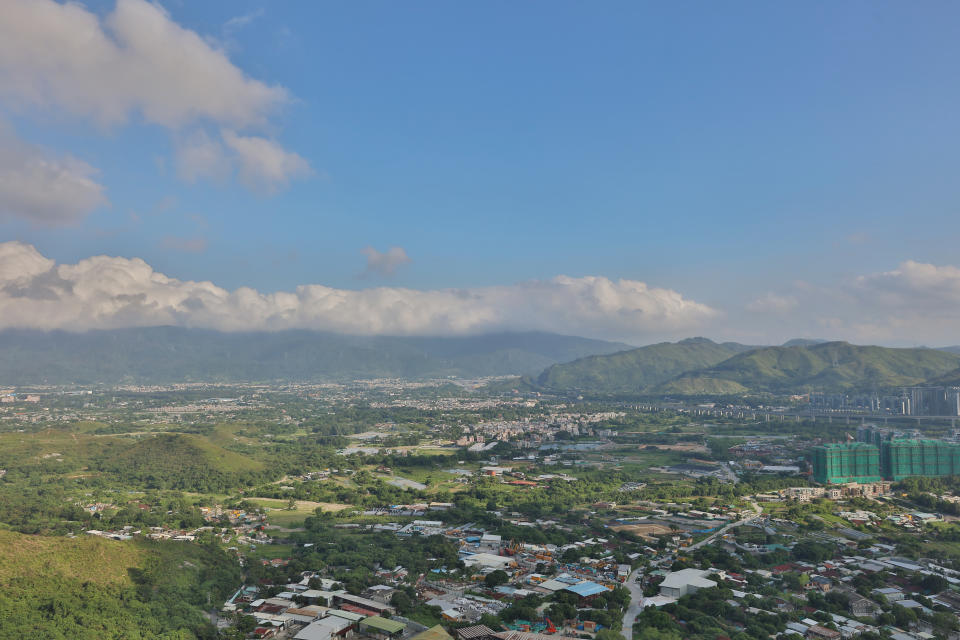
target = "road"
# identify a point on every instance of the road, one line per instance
(636, 591)
(728, 473)
(713, 536)
(636, 599)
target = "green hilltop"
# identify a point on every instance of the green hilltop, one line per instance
(829, 366)
(701, 367)
(184, 461)
(89, 588)
(638, 369)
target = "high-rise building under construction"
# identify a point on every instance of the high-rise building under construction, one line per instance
(905, 458)
(884, 456)
(846, 462)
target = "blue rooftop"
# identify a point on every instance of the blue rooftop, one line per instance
(586, 589)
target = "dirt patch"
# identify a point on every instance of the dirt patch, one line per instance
(645, 531)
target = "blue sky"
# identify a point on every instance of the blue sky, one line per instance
(731, 152)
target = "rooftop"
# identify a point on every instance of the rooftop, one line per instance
(586, 588)
(383, 624)
(694, 577)
(433, 633)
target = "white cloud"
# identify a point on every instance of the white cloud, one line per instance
(913, 285)
(200, 156)
(236, 23)
(385, 263)
(135, 59)
(914, 304)
(105, 292)
(42, 188)
(264, 164)
(772, 303)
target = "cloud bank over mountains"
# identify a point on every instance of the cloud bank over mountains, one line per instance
(110, 292)
(914, 304)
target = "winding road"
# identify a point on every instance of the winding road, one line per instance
(636, 591)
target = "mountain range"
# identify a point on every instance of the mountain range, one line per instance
(638, 369)
(172, 354)
(547, 362)
(702, 367)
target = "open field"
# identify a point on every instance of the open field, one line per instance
(646, 531)
(279, 515)
(270, 551)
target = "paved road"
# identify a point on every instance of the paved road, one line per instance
(636, 591)
(722, 531)
(636, 598)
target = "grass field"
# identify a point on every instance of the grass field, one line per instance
(279, 515)
(270, 551)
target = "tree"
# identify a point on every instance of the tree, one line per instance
(934, 583)
(496, 578)
(904, 617)
(946, 621)
(246, 624)
(402, 602)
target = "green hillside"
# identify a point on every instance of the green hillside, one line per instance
(949, 379)
(637, 369)
(830, 366)
(187, 462)
(89, 588)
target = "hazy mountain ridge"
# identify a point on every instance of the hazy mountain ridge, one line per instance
(637, 369)
(829, 366)
(701, 367)
(172, 354)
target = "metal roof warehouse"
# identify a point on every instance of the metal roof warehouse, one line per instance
(586, 589)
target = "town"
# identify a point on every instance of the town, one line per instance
(469, 514)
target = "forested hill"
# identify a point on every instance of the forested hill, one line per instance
(637, 369)
(170, 354)
(829, 366)
(698, 366)
(91, 588)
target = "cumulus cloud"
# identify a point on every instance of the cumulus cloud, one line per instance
(109, 292)
(135, 59)
(914, 304)
(200, 156)
(45, 189)
(913, 285)
(264, 164)
(385, 263)
(772, 303)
